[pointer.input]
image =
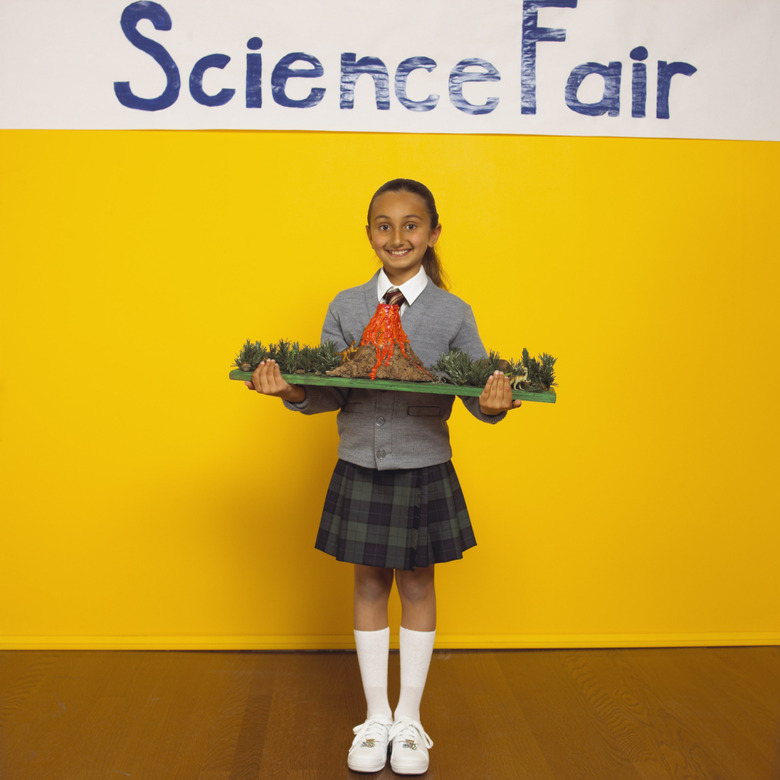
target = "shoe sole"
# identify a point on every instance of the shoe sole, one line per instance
(408, 770)
(366, 768)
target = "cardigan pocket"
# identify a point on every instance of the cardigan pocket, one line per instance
(424, 411)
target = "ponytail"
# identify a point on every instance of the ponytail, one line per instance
(432, 266)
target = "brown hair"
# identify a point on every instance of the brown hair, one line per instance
(431, 262)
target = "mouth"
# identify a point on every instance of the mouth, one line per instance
(398, 252)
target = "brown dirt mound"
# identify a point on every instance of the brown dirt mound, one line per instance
(362, 362)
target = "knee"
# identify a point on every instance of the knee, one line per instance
(416, 586)
(373, 584)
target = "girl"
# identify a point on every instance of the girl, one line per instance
(394, 507)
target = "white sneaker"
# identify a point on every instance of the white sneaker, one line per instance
(369, 748)
(409, 747)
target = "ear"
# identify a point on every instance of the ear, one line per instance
(368, 233)
(434, 236)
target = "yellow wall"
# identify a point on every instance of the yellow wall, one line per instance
(149, 501)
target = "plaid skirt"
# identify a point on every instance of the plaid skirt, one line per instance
(396, 519)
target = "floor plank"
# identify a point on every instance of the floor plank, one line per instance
(691, 714)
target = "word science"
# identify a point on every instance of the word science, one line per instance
(347, 82)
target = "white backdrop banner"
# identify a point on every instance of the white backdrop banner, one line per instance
(641, 68)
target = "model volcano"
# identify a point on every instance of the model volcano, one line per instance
(384, 351)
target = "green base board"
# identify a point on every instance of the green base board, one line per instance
(547, 397)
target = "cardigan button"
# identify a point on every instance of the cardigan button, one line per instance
(380, 421)
(380, 454)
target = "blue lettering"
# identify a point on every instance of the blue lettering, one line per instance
(282, 72)
(402, 74)
(159, 17)
(665, 72)
(638, 82)
(474, 69)
(196, 81)
(532, 34)
(254, 74)
(460, 75)
(374, 67)
(610, 100)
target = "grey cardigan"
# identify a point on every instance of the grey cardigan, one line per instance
(382, 429)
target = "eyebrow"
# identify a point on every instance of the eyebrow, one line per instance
(408, 216)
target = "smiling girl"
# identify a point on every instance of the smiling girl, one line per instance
(394, 507)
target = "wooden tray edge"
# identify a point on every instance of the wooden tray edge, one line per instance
(547, 397)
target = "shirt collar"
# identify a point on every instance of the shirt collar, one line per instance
(410, 288)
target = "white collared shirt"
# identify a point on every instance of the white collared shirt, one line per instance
(410, 288)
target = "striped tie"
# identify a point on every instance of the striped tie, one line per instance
(394, 297)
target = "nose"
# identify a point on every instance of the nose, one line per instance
(396, 239)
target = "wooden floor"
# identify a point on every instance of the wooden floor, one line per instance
(688, 714)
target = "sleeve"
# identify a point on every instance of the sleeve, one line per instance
(467, 339)
(325, 399)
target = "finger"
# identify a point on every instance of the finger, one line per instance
(276, 379)
(266, 376)
(491, 395)
(506, 393)
(490, 385)
(500, 387)
(256, 378)
(487, 391)
(275, 382)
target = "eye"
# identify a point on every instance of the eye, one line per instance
(383, 227)
(411, 226)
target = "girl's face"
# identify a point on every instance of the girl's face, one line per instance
(400, 232)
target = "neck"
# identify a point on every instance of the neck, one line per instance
(397, 278)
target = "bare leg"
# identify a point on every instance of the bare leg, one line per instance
(372, 592)
(418, 598)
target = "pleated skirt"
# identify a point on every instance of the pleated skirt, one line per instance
(396, 519)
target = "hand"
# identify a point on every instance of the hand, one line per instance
(267, 379)
(497, 395)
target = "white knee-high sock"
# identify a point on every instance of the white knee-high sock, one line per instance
(416, 651)
(373, 648)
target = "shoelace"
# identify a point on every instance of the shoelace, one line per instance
(410, 729)
(371, 729)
